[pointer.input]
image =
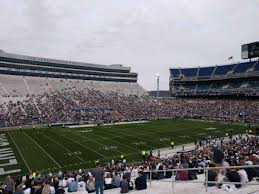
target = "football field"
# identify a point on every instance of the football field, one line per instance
(52, 149)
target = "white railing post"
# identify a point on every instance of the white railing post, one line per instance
(150, 178)
(206, 180)
(173, 179)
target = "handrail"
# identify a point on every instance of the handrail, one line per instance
(206, 169)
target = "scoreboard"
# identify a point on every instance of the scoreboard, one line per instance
(250, 50)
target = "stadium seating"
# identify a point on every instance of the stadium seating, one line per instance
(190, 72)
(223, 69)
(243, 67)
(205, 72)
(230, 79)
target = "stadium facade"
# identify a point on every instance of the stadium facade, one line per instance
(220, 80)
(22, 65)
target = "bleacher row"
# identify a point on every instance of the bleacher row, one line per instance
(234, 79)
(214, 71)
(17, 88)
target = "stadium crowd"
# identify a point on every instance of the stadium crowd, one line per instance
(64, 106)
(232, 151)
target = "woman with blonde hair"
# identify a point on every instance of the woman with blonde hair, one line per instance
(46, 187)
(90, 187)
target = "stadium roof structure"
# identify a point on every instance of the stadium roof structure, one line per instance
(24, 65)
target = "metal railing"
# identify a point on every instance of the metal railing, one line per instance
(205, 169)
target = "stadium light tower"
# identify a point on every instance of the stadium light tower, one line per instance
(157, 84)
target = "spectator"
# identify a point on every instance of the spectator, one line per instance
(116, 180)
(90, 186)
(141, 181)
(212, 175)
(108, 182)
(124, 185)
(81, 186)
(72, 186)
(99, 178)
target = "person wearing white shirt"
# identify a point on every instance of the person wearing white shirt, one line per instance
(243, 176)
(64, 182)
(70, 179)
(81, 186)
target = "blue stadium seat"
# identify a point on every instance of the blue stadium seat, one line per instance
(256, 67)
(189, 72)
(175, 72)
(223, 69)
(206, 71)
(243, 67)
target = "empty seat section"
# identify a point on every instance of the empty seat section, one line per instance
(243, 67)
(206, 72)
(175, 72)
(190, 72)
(13, 85)
(256, 67)
(223, 69)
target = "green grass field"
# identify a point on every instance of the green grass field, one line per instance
(52, 149)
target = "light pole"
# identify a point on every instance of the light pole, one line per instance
(157, 85)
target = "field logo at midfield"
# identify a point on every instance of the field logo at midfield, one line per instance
(139, 143)
(109, 148)
(7, 157)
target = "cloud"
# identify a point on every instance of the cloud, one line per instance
(148, 35)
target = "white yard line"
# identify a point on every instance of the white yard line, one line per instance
(43, 150)
(84, 146)
(26, 164)
(116, 141)
(64, 148)
(99, 143)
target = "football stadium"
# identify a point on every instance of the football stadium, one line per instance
(69, 126)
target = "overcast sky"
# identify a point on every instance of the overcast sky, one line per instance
(148, 35)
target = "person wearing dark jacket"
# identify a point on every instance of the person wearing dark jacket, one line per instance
(141, 181)
(124, 185)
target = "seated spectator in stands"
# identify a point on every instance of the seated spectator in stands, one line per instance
(160, 175)
(108, 182)
(225, 164)
(116, 179)
(251, 173)
(243, 176)
(212, 175)
(233, 176)
(27, 187)
(46, 187)
(124, 185)
(141, 181)
(64, 182)
(168, 174)
(90, 185)
(81, 186)
(182, 175)
(218, 156)
(72, 186)
(9, 185)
